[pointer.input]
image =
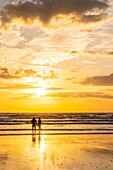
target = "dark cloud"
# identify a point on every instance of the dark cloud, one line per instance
(44, 10)
(110, 52)
(80, 95)
(93, 18)
(99, 52)
(92, 52)
(5, 74)
(99, 80)
(73, 52)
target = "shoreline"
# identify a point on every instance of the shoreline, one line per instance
(58, 134)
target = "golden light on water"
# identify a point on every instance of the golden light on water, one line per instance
(42, 144)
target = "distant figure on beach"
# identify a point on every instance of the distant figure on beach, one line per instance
(34, 122)
(39, 123)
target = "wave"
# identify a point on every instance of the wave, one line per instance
(57, 123)
(55, 134)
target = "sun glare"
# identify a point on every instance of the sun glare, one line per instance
(40, 92)
(42, 144)
(36, 89)
(29, 80)
(36, 92)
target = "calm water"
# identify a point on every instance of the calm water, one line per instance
(57, 123)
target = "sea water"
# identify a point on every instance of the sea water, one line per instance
(57, 123)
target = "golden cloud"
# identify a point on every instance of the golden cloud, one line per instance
(80, 95)
(5, 73)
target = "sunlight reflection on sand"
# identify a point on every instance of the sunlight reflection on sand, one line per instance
(41, 152)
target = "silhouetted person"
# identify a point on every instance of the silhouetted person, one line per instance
(34, 122)
(39, 123)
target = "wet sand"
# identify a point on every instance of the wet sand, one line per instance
(39, 152)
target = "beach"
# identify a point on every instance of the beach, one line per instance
(56, 152)
(67, 141)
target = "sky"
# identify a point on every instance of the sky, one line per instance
(56, 55)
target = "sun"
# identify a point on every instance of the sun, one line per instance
(36, 89)
(41, 92)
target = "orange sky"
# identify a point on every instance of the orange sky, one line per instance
(56, 56)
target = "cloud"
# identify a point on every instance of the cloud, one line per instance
(99, 80)
(22, 96)
(73, 95)
(80, 95)
(93, 18)
(54, 88)
(5, 73)
(46, 75)
(70, 78)
(110, 52)
(75, 70)
(26, 73)
(45, 10)
(20, 86)
(74, 52)
(99, 52)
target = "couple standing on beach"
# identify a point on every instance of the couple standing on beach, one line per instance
(34, 123)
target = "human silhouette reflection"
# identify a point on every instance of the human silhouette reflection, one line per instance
(39, 134)
(39, 123)
(39, 137)
(34, 135)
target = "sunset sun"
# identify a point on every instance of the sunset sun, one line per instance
(40, 92)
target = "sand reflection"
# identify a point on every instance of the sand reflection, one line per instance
(56, 152)
(42, 145)
(41, 140)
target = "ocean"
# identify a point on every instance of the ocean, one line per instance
(57, 123)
